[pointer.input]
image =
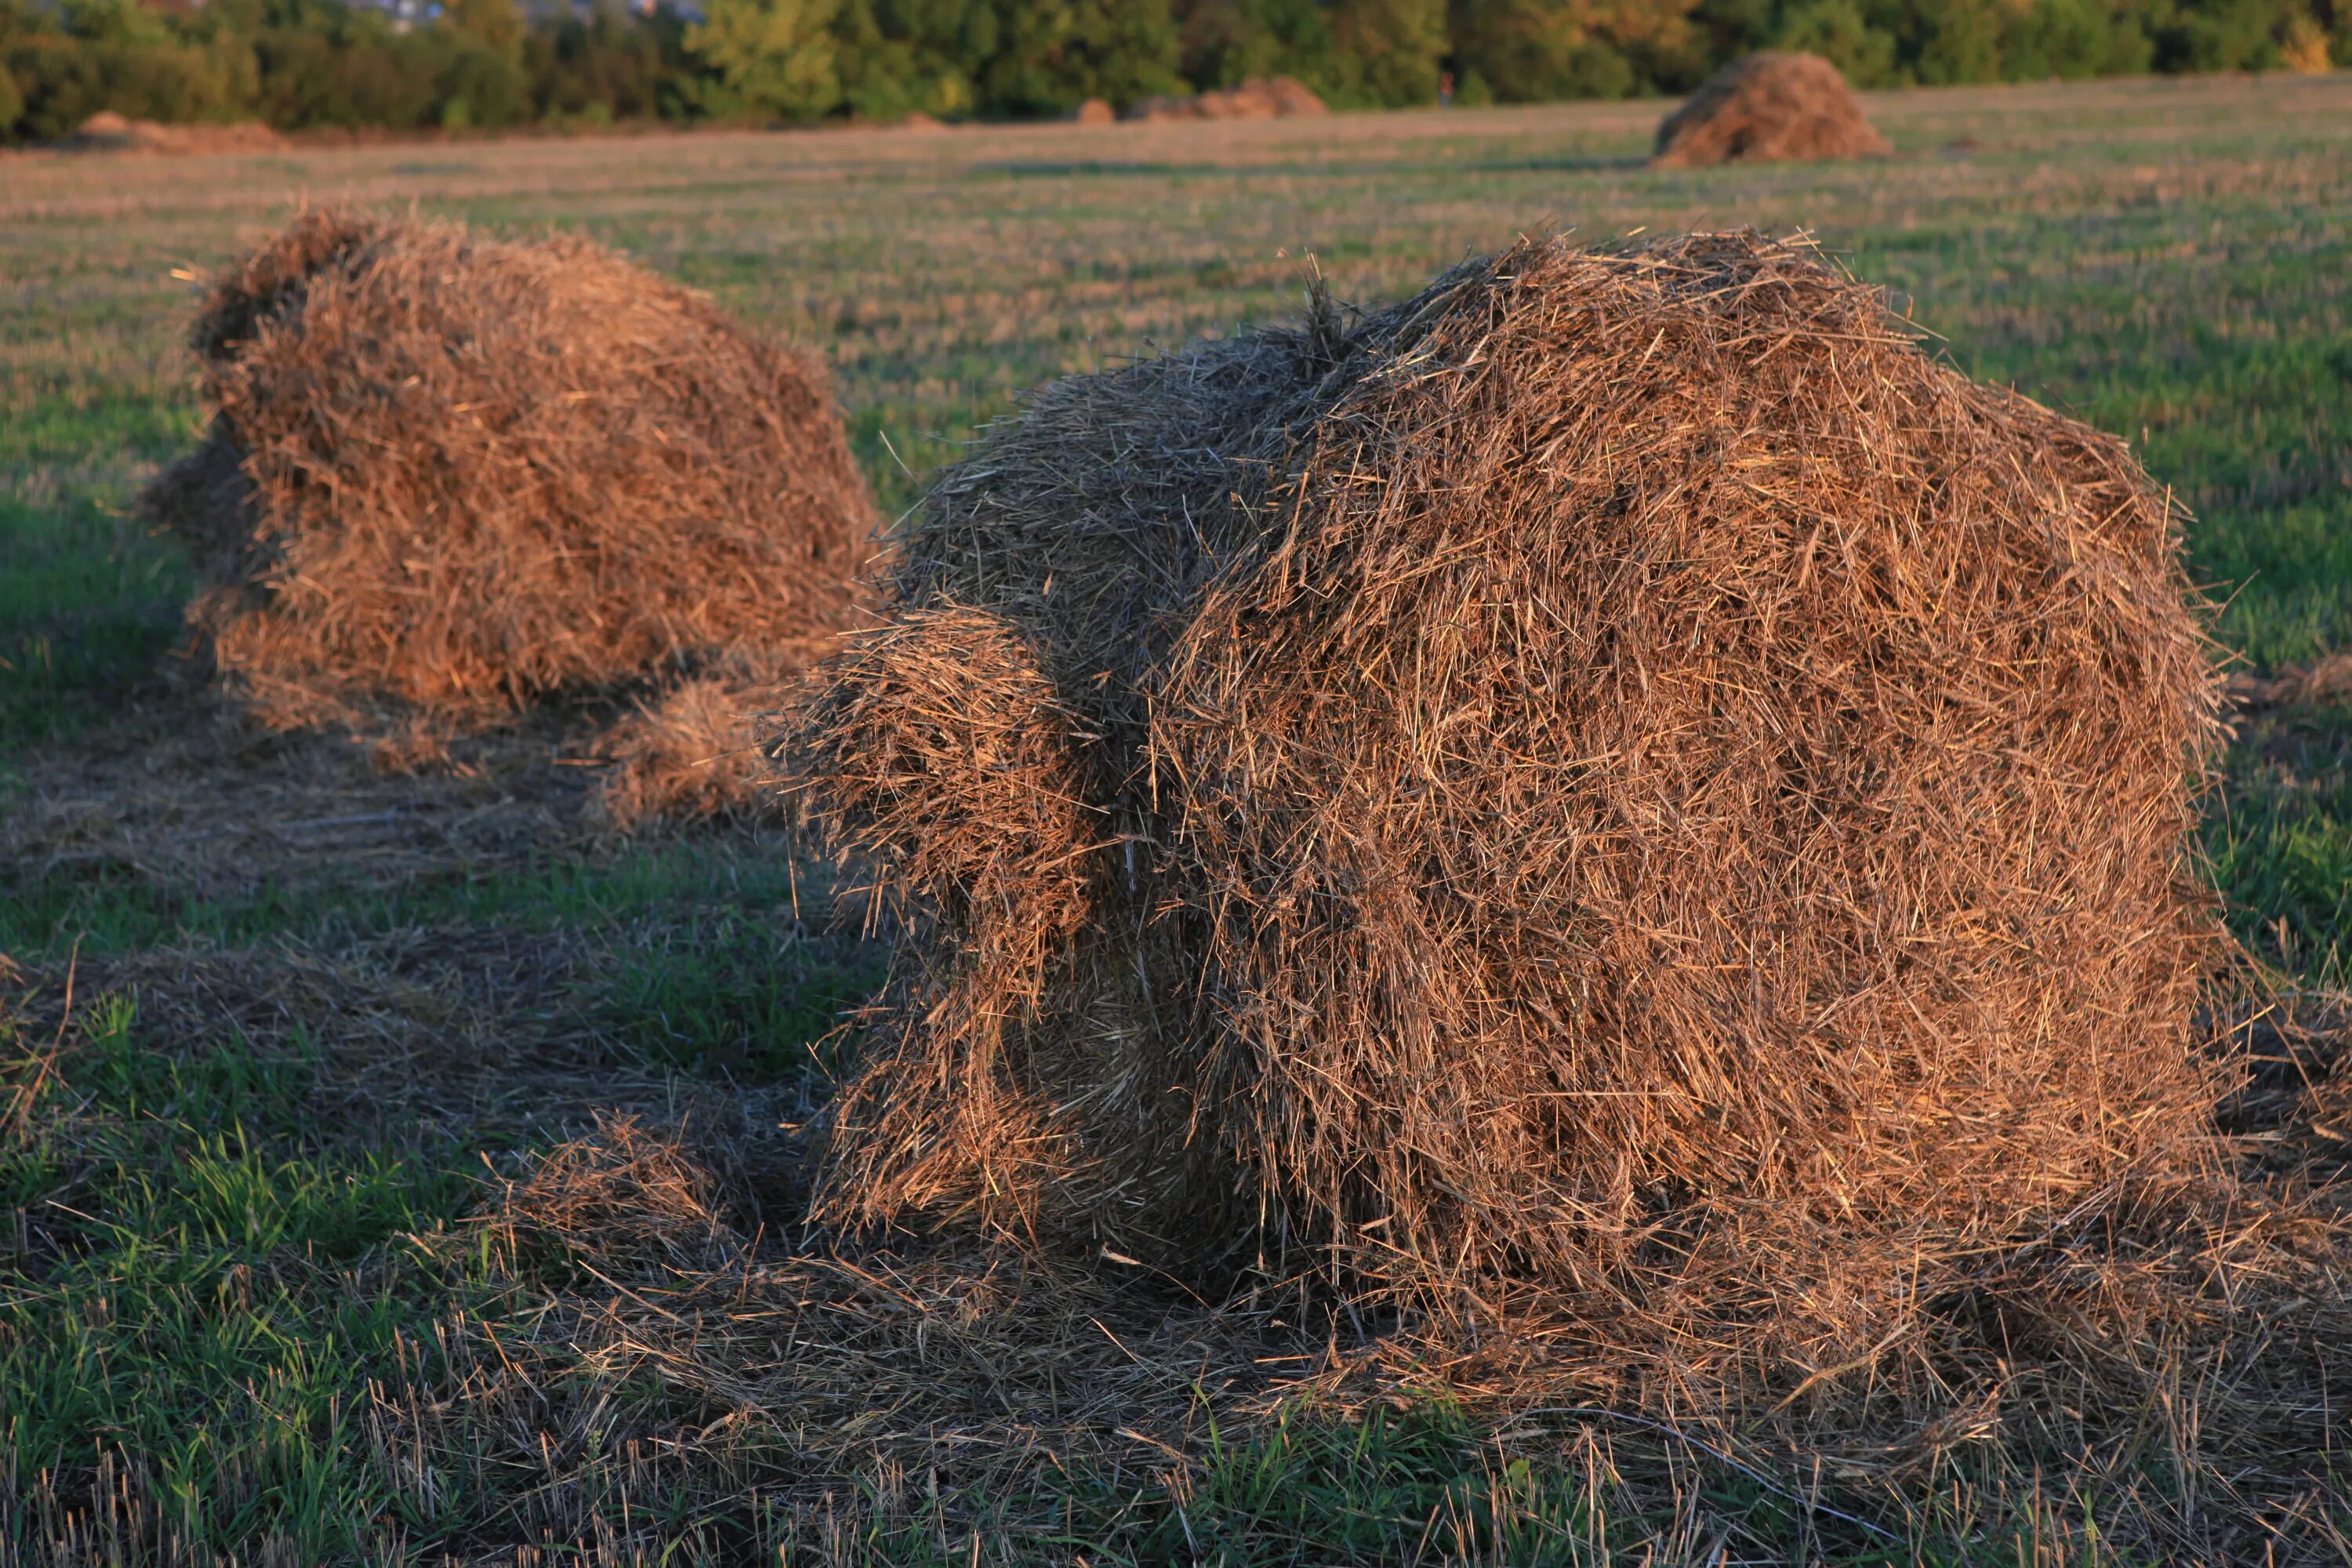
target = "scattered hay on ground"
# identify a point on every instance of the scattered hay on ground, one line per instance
(193, 800)
(1768, 108)
(693, 753)
(2322, 683)
(807, 1363)
(452, 478)
(107, 132)
(1259, 98)
(1617, 808)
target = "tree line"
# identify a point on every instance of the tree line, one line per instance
(461, 64)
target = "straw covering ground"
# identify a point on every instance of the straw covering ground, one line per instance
(1620, 772)
(451, 477)
(1768, 108)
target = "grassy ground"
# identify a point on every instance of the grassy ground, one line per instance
(274, 1277)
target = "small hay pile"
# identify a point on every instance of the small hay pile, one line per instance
(1768, 108)
(2327, 682)
(451, 477)
(1259, 98)
(1619, 778)
(107, 132)
(692, 753)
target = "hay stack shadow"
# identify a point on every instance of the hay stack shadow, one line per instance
(450, 479)
(1768, 108)
(1618, 783)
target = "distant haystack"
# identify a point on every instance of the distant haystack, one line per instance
(1768, 108)
(1619, 775)
(450, 476)
(107, 132)
(1094, 111)
(1260, 98)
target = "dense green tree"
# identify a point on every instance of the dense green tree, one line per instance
(483, 82)
(1222, 42)
(609, 66)
(1838, 32)
(483, 63)
(93, 55)
(1386, 53)
(1526, 51)
(2227, 34)
(901, 55)
(1053, 54)
(770, 58)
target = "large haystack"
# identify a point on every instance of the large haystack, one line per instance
(1619, 773)
(1768, 108)
(451, 477)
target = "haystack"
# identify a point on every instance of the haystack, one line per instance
(1619, 775)
(452, 477)
(1768, 108)
(107, 132)
(1259, 98)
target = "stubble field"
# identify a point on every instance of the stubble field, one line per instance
(399, 1169)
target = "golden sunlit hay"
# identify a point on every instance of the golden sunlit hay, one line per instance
(1618, 776)
(693, 751)
(1768, 108)
(452, 477)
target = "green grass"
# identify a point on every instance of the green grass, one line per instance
(109, 909)
(203, 1279)
(219, 1265)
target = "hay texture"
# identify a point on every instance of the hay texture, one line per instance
(452, 477)
(692, 752)
(1768, 108)
(1619, 775)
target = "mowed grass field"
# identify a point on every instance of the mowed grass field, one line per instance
(280, 1038)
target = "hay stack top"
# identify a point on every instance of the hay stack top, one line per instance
(451, 476)
(1619, 770)
(1768, 108)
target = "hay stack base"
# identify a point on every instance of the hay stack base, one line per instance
(1619, 778)
(451, 477)
(1768, 108)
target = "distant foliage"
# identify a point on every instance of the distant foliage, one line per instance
(299, 64)
(774, 57)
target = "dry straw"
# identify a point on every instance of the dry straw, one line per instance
(452, 477)
(1768, 108)
(1619, 784)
